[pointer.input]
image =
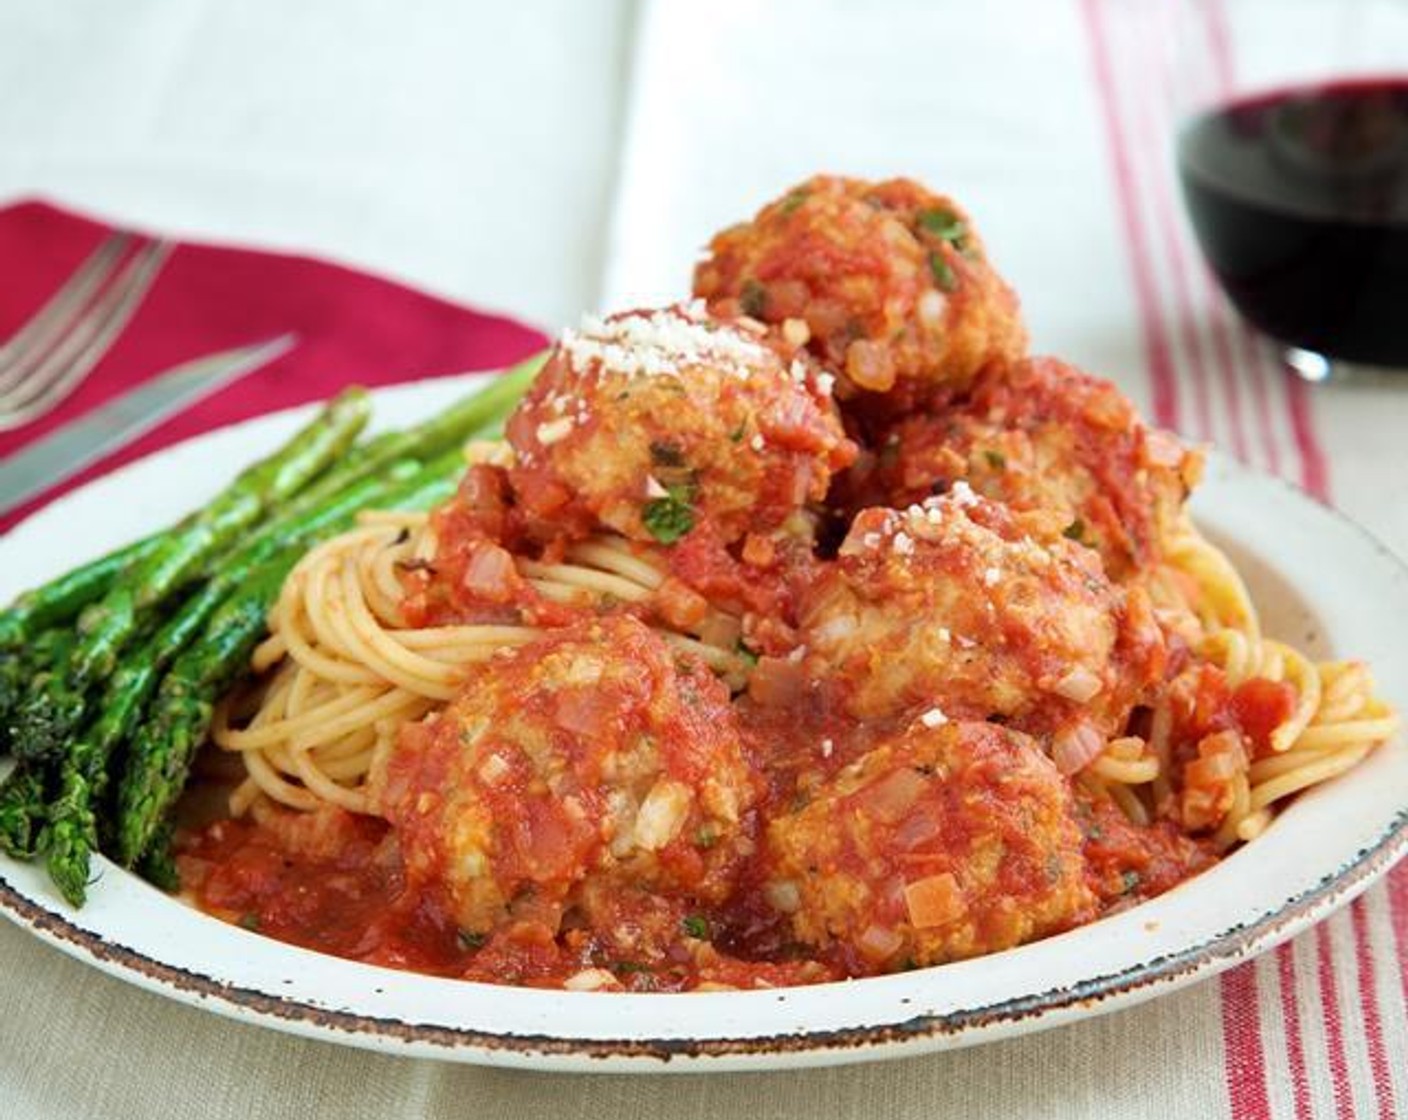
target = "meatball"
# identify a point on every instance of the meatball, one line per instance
(886, 283)
(963, 604)
(594, 755)
(1042, 434)
(650, 422)
(949, 841)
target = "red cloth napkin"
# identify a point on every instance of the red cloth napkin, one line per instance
(352, 328)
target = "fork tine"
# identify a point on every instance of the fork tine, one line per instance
(89, 339)
(52, 320)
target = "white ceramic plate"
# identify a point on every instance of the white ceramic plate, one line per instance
(1321, 581)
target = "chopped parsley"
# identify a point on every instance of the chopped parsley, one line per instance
(1131, 881)
(747, 654)
(624, 968)
(249, 920)
(696, 926)
(706, 837)
(996, 459)
(793, 200)
(671, 517)
(753, 299)
(736, 436)
(943, 225)
(469, 939)
(1075, 531)
(944, 276)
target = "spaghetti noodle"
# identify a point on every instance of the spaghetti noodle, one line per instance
(340, 671)
(709, 678)
(1335, 720)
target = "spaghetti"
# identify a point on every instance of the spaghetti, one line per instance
(1335, 720)
(340, 671)
(709, 678)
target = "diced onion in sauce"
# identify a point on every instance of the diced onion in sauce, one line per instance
(879, 943)
(891, 797)
(1080, 685)
(934, 901)
(1075, 748)
(590, 980)
(783, 896)
(776, 682)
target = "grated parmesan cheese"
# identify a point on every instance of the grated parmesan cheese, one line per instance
(962, 495)
(934, 717)
(660, 344)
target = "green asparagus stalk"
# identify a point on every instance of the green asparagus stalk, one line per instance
(22, 797)
(158, 864)
(160, 753)
(481, 410)
(23, 794)
(71, 834)
(49, 716)
(359, 480)
(18, 667)
(60, 601)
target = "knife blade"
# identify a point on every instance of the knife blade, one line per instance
(114, 423)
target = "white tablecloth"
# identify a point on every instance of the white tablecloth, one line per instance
(544, 158)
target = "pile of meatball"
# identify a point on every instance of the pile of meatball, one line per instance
(938, 547)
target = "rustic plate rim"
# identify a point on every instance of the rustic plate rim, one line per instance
(925, 1031)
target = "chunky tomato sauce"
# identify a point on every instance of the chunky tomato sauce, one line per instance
(849, 842)
(813, 741)
(357, 887)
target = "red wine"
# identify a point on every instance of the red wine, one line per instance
(1300, 201)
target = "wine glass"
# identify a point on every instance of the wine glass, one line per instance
(1293, 156)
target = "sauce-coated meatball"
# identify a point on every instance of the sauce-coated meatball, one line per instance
(650, 422)
(951, 840)
(595, 753)
(886, 283)
(956, 603)
(1042, 434)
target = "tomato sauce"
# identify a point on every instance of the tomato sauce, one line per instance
(897, 781)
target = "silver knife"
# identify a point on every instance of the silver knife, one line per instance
(116, 422)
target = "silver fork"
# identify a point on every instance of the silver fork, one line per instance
(48, 357)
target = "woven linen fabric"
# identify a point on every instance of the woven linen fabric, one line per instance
(79, 1045)
(1054, 124)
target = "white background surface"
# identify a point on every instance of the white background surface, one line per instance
(467, 147)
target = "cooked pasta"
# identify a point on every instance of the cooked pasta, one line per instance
(777, 643)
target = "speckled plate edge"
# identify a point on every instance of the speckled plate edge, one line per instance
(914, 1023)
